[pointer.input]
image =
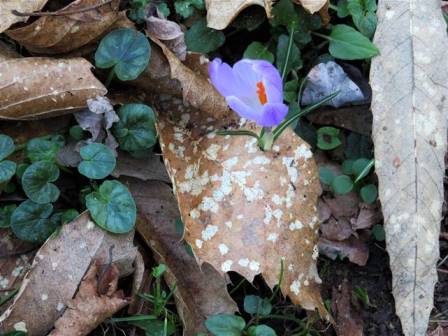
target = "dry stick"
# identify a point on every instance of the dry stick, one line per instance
(58, 13)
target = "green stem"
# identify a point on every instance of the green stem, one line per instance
(110, 77)
(280, 280)
(238, 133)
(237, 286)
(320, 35)
(266, 139)
(288, 53)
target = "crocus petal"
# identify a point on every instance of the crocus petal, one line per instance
(270, 74)
(222, 78)
(244, 70)
(273, 92)
(244, 110)
(273, 114)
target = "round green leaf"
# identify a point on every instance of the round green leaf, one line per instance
(7, 170)
(225, 325)
(361, 168)
(126, 50)
(256, 305)
(112, 207)
(369, 193)
(7, 146)
(69, 215)
(342, 184)
(76, 132)
(378, 232)
(261, 330)
(32, 222)
(21, 167)
(328, 138)
(98, 161)
(200, 38)
(36, 182)
(5, 215)
(135, 131)
(347, 167)
(257, 50)
(39, 149)
(326, 175)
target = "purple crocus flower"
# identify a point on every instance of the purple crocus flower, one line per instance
(252, 88)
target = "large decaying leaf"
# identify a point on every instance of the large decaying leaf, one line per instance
(221, 13)
(409, 82)
(8, 18)
(35, 87)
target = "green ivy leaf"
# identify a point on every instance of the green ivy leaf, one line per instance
(40, 149)
(98, 161)
(363, 14)
(69, 215)
(225, 325)
(261, 330)
(342, 184)
(200, 38)
(326, 175)
(36, 182)
(378, 232)
(293, 62)
(369, 193)
(7, 170)
(135, 131)
(257, 50)
(7, 146)
(185, 8)
(5, 215)
(328, 138)
(349, 44)
(256, 305)
(33, 222)
(126, 50)
(112, 207)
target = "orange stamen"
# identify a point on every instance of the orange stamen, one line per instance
(261, 91)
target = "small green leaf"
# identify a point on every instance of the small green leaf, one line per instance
(185, 8)
(225, 325)
(256, 305)
(76, 132)
(348, 44)
(257, 50)
(328, 138)
(40, 149)
(284, 14)
(290, 91)
(363, 14)
(361, 168)
(33, 222)
(69, 215)
(98, 161)
(200, 38)
(362, 295)
(369, 193)
(342, 184)
(112, 207)
(135, 131)
(378, 232)
(7, 170)
(158, 271)
(36, 182)
(7, 146)
(343, 9)
(287, 61)
(347, 167)
(137, 11)
(326, 175)
(261, 330)
(126, 50)
(5, 215)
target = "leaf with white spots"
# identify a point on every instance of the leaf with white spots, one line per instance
(245, 210)
(410, 87)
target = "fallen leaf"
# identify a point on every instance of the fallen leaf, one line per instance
(200, 291)
(7, 52)
(368, 216)
(23, 6)
(343, 206)
(336, 229)
(439, 331)
(353, 248)
(57, 270)
(348, 320)
(409, 82)
(90, 307)
(85, 22)
(221, 13)
(312, 6)
(236, 216)
(34, 87)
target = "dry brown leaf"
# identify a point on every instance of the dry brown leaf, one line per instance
(312, 6)
(90, 306)
(368, 216)
(57, 270)
(7, 52)
(221, 13)
(336, 229)
(245, 210)
(200, 292)
(353, 248)
(7, 18)
(410, 87)
(348, 320)
(35, 87)
(60, 33)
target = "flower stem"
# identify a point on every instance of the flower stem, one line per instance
(288, 53)
(110, 77)
(266, 139)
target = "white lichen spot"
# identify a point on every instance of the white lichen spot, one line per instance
(90, 225)
(228, 224)
(212, 151)
(267, 214)
(295, 287)
(303, 152)
(194, 214)
(243, 262)
(54, 265)
(16, 272)
(229, 163)
(44, 297)
(291, 267)
(223, 249)
(83, 245)
(251, 146)
(226, 265)
(20, 326)
(254, 193)
(208, 204)
(60, 306)
(277, 199)
(178, 151)
(289, 163)
(273, 237)
(209, 232)
(198, 243)
(315, 252)
(276, 148)
(4, 282)
(254, 266)
(296, 225)
(306, 283)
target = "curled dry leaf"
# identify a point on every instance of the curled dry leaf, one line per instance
(221, 13)
(200, 291)
(91, 306)
(353, 248)
(8, 18)
(410, 88)
(237, 216)
(57, 270)
(85, 22)
(312, 6)
(34, 87)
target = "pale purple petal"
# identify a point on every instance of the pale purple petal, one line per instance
(273, 92)
(244, 110)
(273, 114)
(222, 78)
(244, 70)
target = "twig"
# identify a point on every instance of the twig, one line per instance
(59, 13)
